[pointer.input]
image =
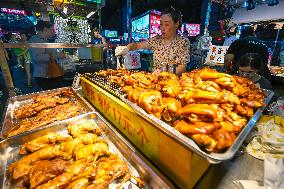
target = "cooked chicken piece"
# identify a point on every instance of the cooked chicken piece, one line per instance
(186, 127)
(63, 180)
(73, 145)
(169, 88)
(23, 166)
(151, 102)
(229, 126)
(171, 108)
(49, 139)
(206, 141)
(206, 97)
(224, 139)
(96, 150)
(244, 110)
(108, 170)
(79, 184)
(133, 95)
(199, 109)
(83, 128)
(59, 182)
(164, 76)
(45, 170)
(252, 103)
(208, 86)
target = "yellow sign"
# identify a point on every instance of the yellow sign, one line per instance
(137, 130)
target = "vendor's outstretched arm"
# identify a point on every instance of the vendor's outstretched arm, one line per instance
(140, 45)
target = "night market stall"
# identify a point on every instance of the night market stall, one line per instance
(119, 128)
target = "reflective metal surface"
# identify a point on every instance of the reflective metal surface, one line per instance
(14, 102)
(176, 135)
(138, 165)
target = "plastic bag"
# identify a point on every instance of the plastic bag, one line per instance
(132, 60)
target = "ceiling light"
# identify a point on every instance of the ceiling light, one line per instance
(91, 14)
(273, 2)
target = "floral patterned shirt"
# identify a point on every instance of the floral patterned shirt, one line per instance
(177, 52)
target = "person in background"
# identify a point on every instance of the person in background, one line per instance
(41, 57)
(24, 59)
(185, 34)
(169, 47)
(247, 43)
(251, 66)
(231, 36)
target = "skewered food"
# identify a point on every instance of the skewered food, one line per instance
(208, 106)
(72, 161)
(45, 109)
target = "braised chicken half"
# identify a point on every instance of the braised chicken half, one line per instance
(208, 106)
(80, 160)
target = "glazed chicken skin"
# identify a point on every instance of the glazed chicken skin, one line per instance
(41, 142)
(76, 161)
(22, 167)
(84, 128)
(45, 170)
(208, 106)
(171, 107)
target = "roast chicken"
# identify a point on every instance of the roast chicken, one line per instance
(208, 106)
(80, 160)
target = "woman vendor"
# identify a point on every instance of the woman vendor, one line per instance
(169, 48)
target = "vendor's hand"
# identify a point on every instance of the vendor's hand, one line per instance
(121, 51)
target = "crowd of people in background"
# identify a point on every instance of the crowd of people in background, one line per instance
(247, 50)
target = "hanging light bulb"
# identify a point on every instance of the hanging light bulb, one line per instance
(273, 2)
(250, 4)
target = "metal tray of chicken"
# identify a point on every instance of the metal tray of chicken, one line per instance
(142, 173)
(9, 120)
(189, 143)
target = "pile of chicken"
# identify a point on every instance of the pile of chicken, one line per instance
(208, 106)
(79, 160)
(45, 109)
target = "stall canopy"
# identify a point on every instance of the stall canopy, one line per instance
(260, 13)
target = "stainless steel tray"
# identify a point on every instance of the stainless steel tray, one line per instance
(17, 101)
(189, 143)
(138, 165)
(176, 135)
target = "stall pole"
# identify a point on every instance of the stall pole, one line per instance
(6, 71)
(129, 21)
(206, 25)
(100, 19)
(207, 20)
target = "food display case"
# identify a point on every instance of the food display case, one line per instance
(159, 141)
(141, 172)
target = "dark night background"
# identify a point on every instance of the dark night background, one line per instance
(191, 10)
